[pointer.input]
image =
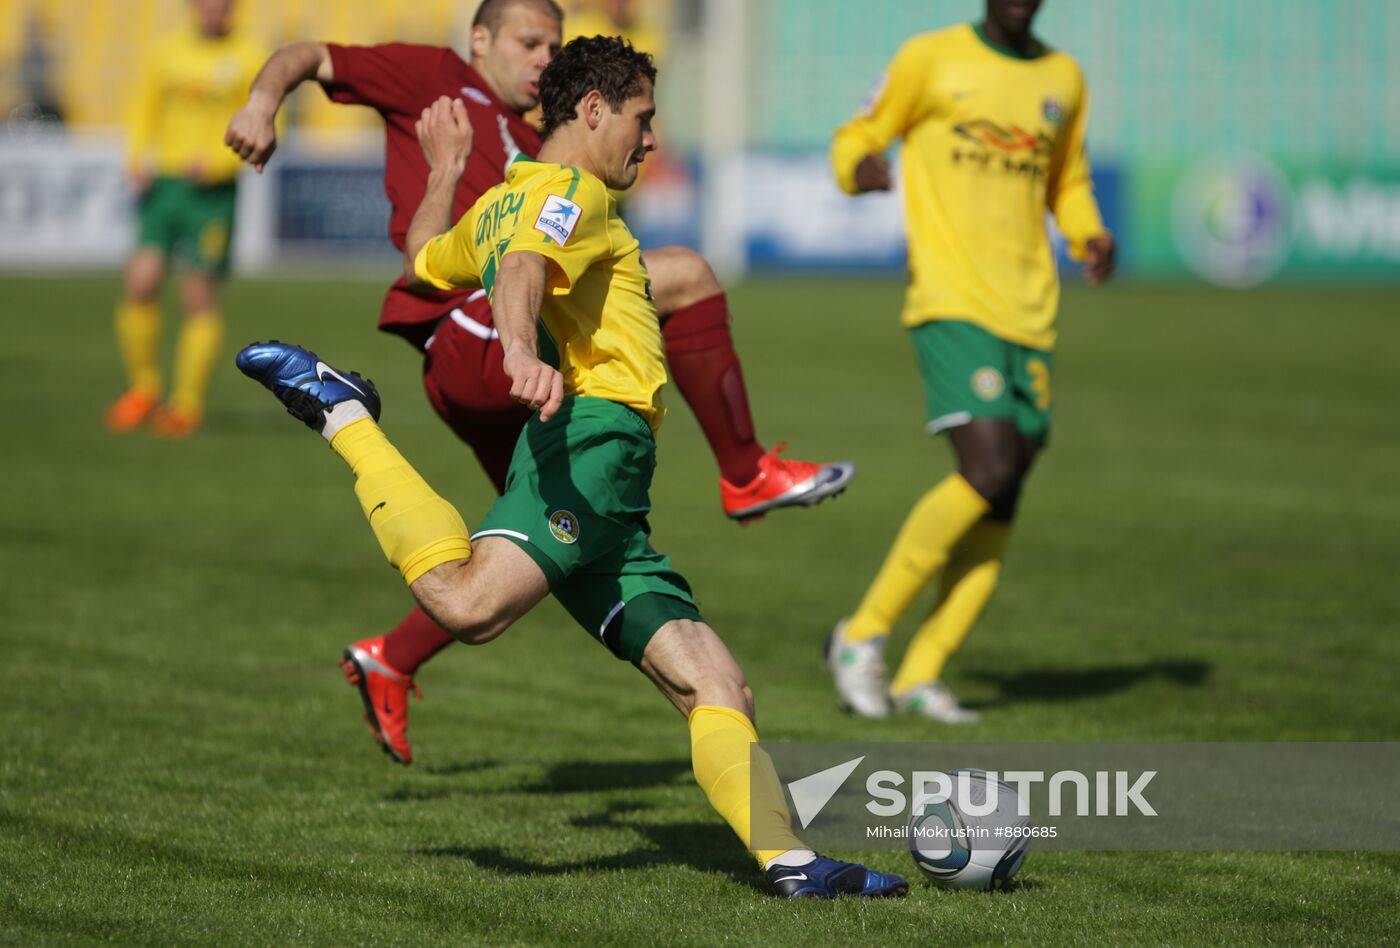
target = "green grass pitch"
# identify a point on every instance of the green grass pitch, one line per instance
(1207, 552)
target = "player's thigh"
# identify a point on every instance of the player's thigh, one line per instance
(690, 664)
(965, 372)
(679, 277)
(479, 598)
(158, 216)
(621, 598)
(206, 232)
(1033, 393)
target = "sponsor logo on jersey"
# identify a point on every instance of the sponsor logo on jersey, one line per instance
(1010, 138)
(988, 384)
(1052, 110)
(557, 218)
(563, 526)
(1006, 148)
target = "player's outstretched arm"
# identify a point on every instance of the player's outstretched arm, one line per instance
(515, 308)
(445, 135)
(252, 132)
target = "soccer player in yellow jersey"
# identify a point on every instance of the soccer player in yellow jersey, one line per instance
(192, 82)
(572, 302)
(993, 127)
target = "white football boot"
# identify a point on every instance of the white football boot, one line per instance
(859, 671)
(934, 701)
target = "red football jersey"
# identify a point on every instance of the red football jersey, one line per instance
(400, 80)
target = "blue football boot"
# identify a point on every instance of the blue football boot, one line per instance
(825, 878)
(306, 385)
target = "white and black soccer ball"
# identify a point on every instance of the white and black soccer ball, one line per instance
(974, 838)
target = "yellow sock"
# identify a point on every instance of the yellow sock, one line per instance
(138, 338)
(196, 353)
(968, 583)
(719, 753)
(416, 529)
(937, 522)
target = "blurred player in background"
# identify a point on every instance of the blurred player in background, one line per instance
(511, 43)
(193, 80)
(626, 18)
(993, 128)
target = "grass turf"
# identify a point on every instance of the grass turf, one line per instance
(1206, 553)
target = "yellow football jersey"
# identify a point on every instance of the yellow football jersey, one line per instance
(601, 328)
(190, 88)
(991, 141)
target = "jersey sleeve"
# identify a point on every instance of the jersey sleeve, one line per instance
(448, 262)
(143, 117)
(898, 103)
(1070, 194)
(566, 222)
(391, 77)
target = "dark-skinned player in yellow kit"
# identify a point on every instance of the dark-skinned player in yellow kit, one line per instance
(583, 348)
(993, 127)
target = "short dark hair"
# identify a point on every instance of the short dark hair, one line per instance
(490, 12)
(609, 64)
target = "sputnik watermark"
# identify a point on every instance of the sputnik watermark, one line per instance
(1264, 796)
(1096, 793)
(1115, 793)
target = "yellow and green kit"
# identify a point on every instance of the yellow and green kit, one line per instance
(992, 141)
(578, 489)
(190, 86)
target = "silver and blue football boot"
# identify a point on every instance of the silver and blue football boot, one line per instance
(824, 878)
(303, 383)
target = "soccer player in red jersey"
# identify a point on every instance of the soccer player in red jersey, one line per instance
(511, 43)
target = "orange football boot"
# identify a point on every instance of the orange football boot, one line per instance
(170, 422)
(784, 483)
(131, 410)
(384, 691)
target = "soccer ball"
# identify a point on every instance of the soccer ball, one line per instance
(969, 834)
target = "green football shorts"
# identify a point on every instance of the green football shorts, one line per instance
(969, 373)
(576, 500)
(189, 222)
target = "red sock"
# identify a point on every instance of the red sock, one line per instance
(705, 367)
(414, 640)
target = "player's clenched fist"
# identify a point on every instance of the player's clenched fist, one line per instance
(252, 134)
(534, 384)
(445, 133)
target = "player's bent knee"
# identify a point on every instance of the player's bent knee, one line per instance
(995, 477)
(680, 276)
(468, 623)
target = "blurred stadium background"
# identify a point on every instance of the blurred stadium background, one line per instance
(1233, 142)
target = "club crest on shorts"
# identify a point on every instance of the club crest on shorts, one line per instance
(564, 526)
(987, 384)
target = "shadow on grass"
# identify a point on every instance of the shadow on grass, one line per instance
(705, 846)
(590, 776)
(1069, 684)
(463, 767)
